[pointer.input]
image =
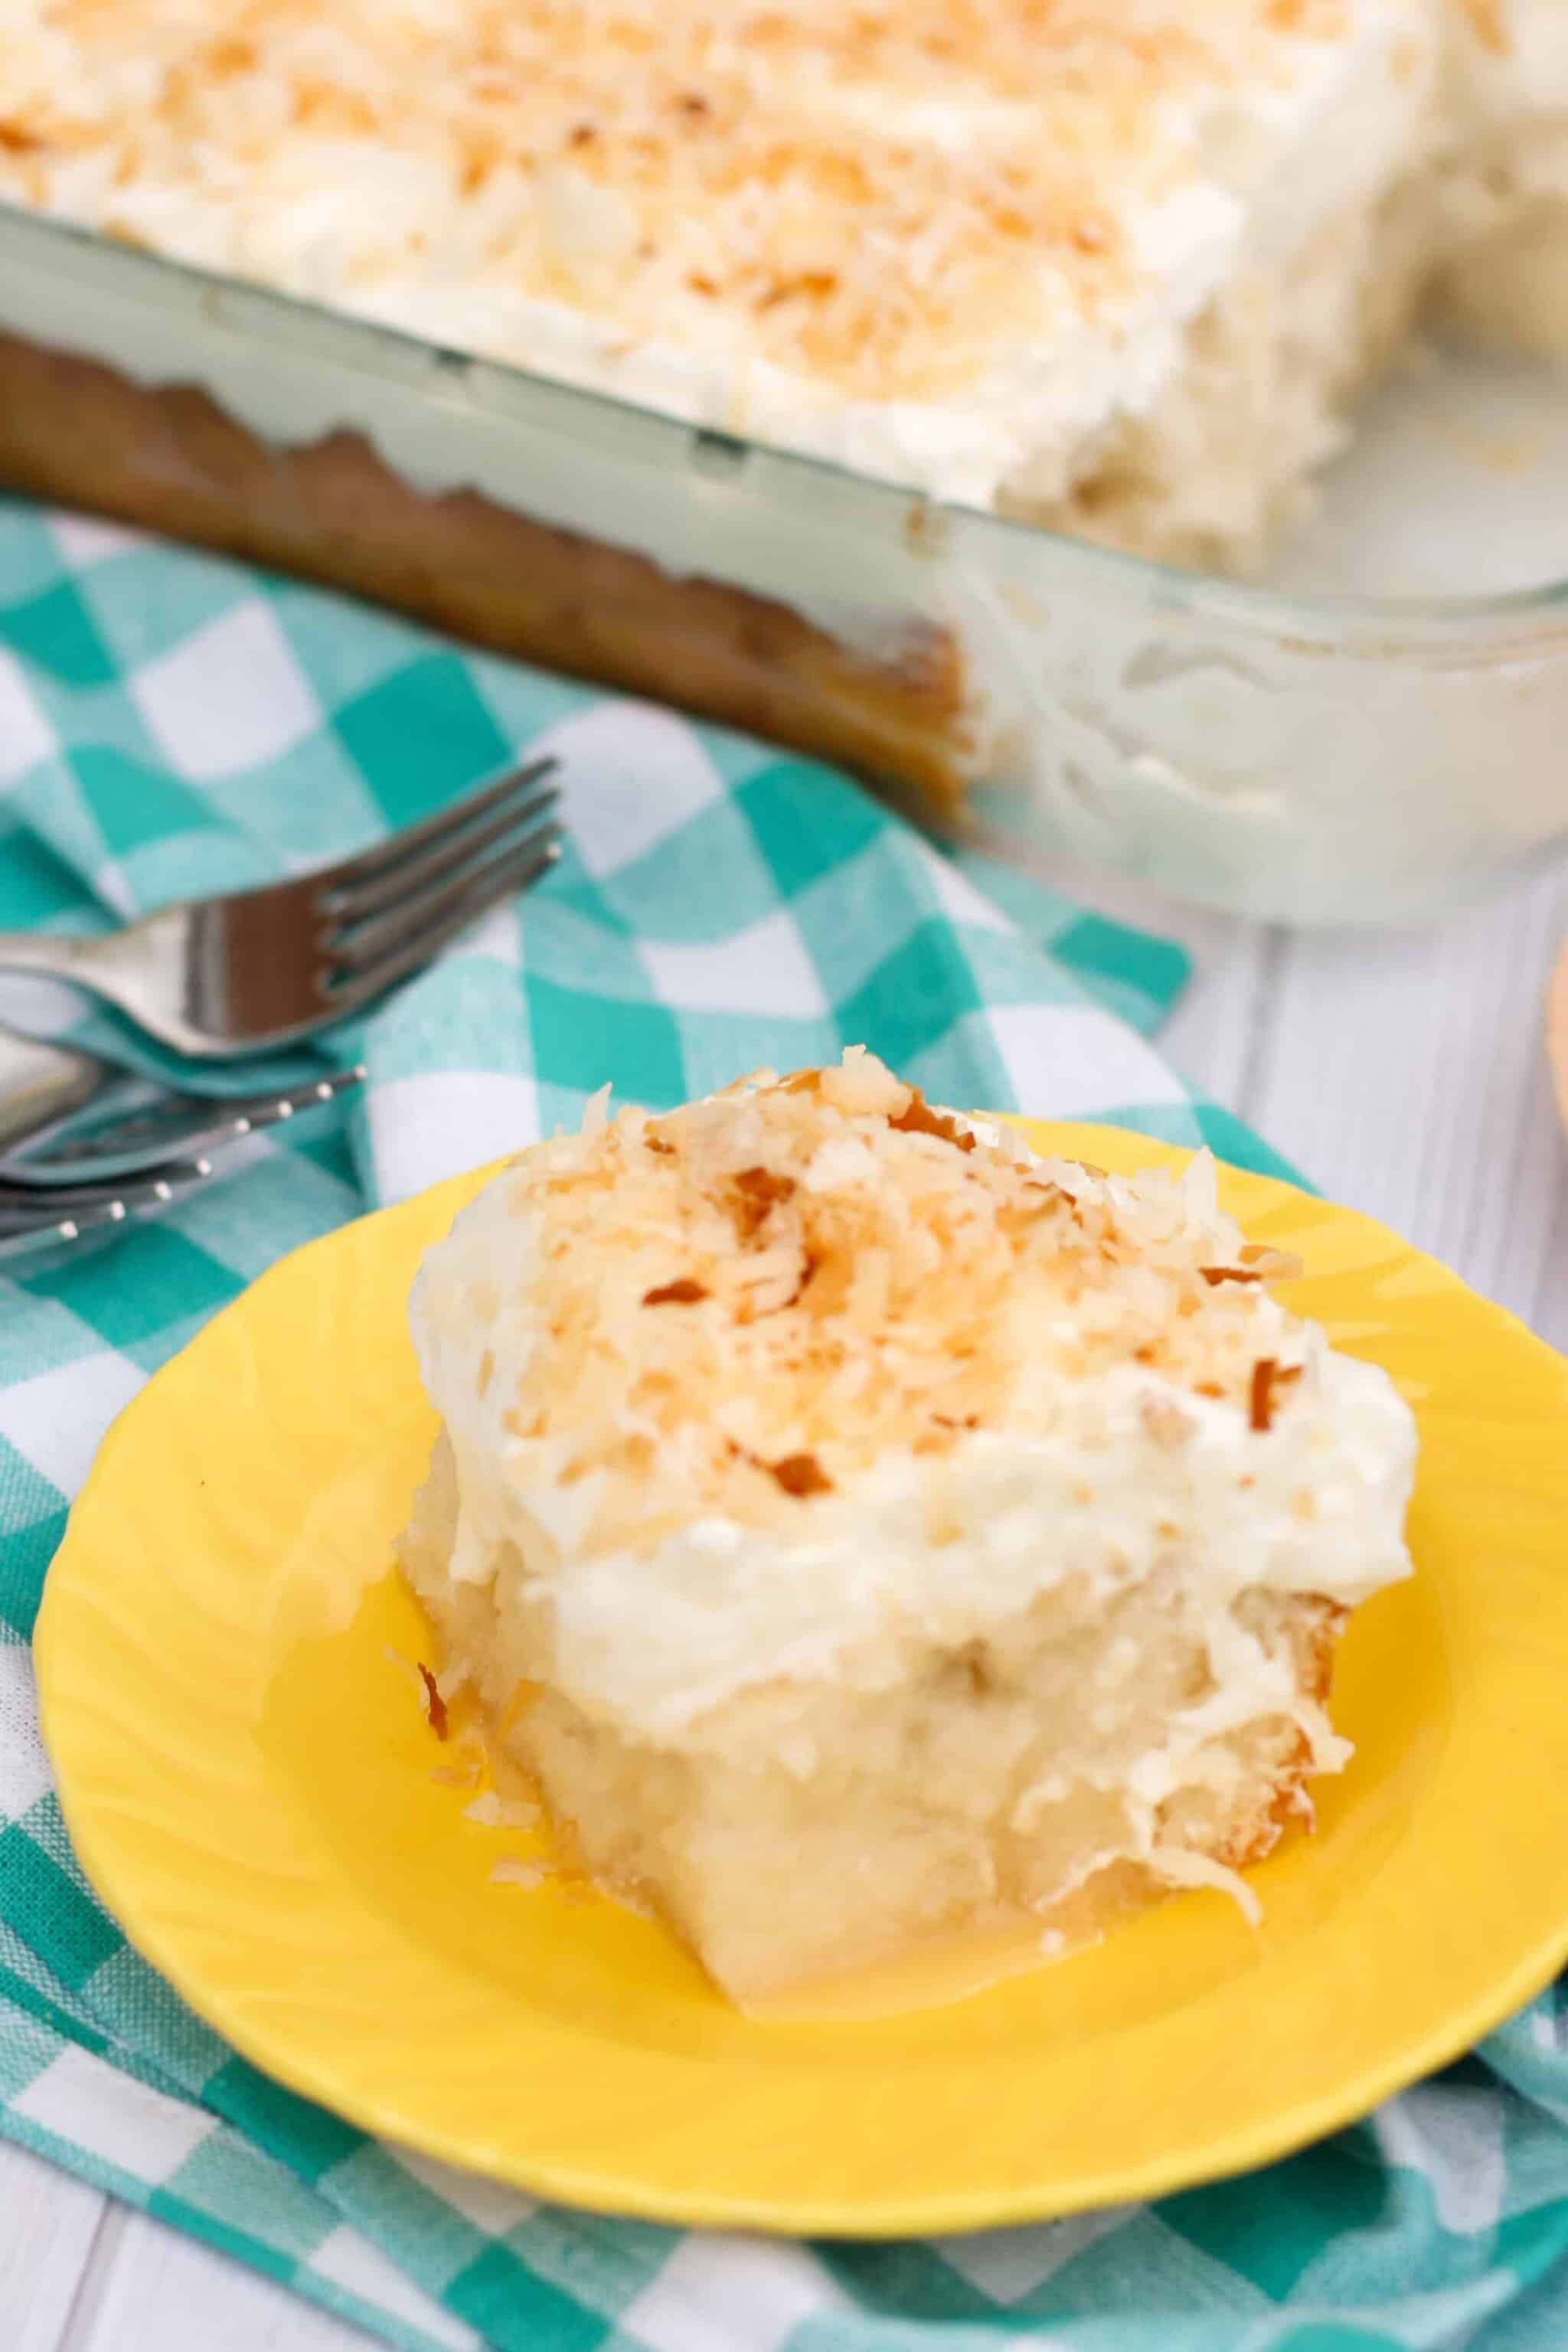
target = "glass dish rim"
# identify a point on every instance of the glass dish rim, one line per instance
(1364, 626)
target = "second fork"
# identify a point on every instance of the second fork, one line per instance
(219, 977)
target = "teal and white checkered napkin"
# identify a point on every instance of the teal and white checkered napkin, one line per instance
(171, 724)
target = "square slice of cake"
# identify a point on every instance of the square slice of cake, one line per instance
(867, 1531)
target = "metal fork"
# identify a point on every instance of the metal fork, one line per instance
(121, 1128)
(33, 1222)
(224, 976)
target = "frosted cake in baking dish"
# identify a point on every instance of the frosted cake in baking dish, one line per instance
(1115, 264)
(867, 1531)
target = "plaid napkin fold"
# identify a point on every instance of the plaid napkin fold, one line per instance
(170, 724)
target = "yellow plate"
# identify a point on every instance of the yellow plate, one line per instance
(246, 1776)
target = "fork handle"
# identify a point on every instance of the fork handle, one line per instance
(40, 1084)
(59, 958)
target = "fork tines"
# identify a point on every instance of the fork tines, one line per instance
(399, 903)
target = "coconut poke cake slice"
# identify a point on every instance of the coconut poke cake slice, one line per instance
(867, 1531)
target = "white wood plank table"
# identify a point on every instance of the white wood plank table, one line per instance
(1403, 1072)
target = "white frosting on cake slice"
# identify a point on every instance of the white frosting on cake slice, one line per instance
(623, 1453)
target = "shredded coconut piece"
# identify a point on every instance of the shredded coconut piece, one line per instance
(510, 1872)
(596, 1110)
(492, 1811)
(1271, 1265)
(1183, 1868)
(1268, 1377)
(435, 1704)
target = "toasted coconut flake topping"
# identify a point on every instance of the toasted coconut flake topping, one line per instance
(1487, 20)
(435, 1705)
(919, 1118)
(801, 1474)
(885, 197)
(866, 1276)
(1269, 1377)
(1273, 1265)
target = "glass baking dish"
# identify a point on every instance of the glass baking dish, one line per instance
(1302, 758)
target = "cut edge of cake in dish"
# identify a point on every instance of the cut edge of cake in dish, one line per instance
(867, 1533)
(172, 459)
